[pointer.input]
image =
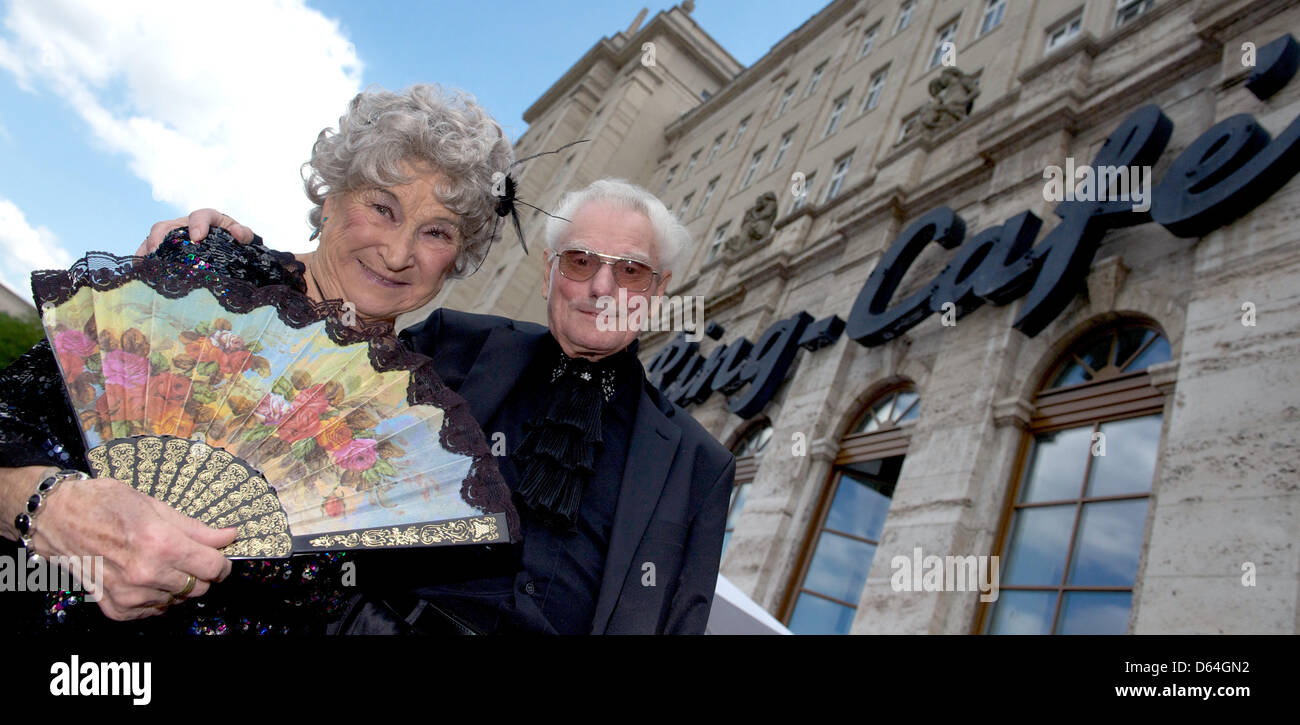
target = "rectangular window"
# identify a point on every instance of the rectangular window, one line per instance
(740, 131)
(904, 16)
(713, 152)
(993, 10)
(719, 236)
(708, 194)
(1126, 10)
(837, 177)
(837, 112)
(690, 165)
(943, 44)
(671, 173)
(686, 206)
(786, 140)
(816, 78)
(905, 129)
(869, 41)
(874, 89)
(844, 545)
(801, 199)
(754, 162)
(1064, 33)
(785, 101)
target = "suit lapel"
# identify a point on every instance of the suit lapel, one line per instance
(650, 454)
(500, 363)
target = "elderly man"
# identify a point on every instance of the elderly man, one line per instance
(623, 495)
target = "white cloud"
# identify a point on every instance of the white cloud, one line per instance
(25, 248)
(212, 103)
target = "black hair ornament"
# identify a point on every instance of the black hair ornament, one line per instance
(504, 187)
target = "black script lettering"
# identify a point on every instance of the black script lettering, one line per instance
(873, 320)
(768, 364)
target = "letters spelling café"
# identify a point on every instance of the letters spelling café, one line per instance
(1225, 173)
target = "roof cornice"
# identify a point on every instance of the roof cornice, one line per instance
(771, 61)
(720, 63)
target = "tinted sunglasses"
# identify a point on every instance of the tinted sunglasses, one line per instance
(580, 266)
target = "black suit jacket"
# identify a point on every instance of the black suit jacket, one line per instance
(666, 542)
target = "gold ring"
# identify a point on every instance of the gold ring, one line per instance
(189, 587)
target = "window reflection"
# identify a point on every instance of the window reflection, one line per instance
(845, 546)
(1074, 543)
(748, 450)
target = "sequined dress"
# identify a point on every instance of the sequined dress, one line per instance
(301, 595)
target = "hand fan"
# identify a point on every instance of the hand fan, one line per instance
(257, 408)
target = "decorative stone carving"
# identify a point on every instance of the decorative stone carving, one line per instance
(951, 96)
(756, 226)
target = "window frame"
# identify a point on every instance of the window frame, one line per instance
(1091, 404)
(838, 106)
(708, 194)
(786, 97)
(1143, 7)
(740, 131)
(884, 443)
(719, 236)
(1074, 20)
(690, 164)
(868, 41)
(991, 5)
(787, 139)
(946, 34)
(668, 180)
(905, 12)
(713, 152)
(801, 201)
(870, 101)
(839, 172)
(816, 78)
(755, 161)
(746, 471)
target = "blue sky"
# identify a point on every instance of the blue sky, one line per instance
(114, 115)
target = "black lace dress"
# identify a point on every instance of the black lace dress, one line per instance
(301, 595)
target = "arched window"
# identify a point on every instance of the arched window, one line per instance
(838, 551)
(748, 450)
(1073, 535)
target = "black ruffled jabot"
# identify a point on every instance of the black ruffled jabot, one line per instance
(557, 455)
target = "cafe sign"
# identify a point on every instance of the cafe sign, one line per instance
(1224, 174)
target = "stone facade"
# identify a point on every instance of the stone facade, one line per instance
(1226, 490)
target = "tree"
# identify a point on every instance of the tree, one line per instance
(17, 335)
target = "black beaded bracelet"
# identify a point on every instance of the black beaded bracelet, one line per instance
(26, 521)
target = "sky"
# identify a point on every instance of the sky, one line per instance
(115, 115)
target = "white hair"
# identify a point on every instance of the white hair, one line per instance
(670, 236)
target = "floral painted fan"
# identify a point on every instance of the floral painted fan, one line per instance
(257, 408)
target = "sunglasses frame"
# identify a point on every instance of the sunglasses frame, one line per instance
(612, 260)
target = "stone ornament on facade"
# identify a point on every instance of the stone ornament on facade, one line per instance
(756, 227)
(951, 96)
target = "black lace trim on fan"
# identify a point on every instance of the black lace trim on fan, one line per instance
(483, 488)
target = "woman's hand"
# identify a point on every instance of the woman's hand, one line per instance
(199, 222)
(149, 549)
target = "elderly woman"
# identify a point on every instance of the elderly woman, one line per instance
(402, 195)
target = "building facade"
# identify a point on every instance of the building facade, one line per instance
(1091, 400)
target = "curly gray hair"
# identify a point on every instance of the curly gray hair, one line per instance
(445, 128)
